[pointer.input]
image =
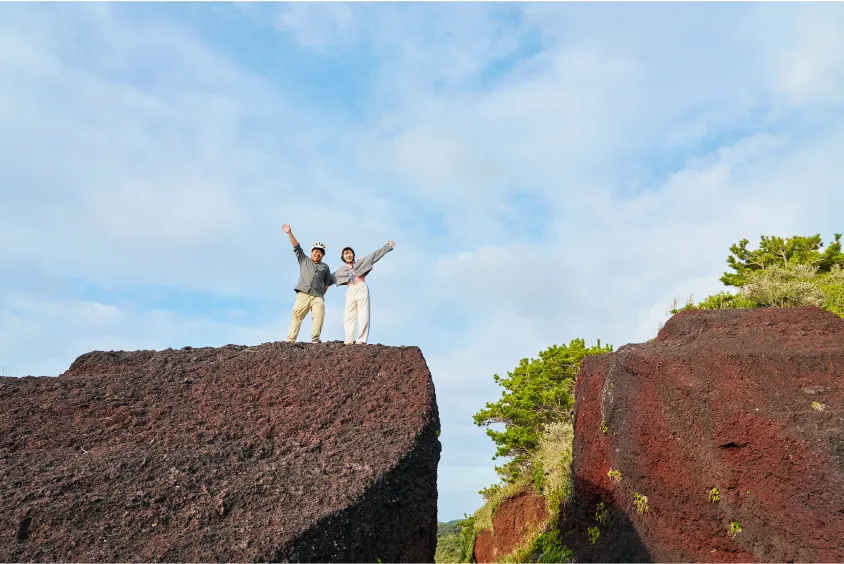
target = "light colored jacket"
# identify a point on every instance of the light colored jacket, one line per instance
(362, 266)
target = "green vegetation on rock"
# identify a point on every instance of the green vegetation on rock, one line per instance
(536, 393)
(536, 410)
(467, 539)
(791, 272)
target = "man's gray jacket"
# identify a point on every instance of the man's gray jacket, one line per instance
(313, 276)
(362, 266)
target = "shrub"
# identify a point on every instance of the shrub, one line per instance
(467, 538)
(832, 286)
(778, 286)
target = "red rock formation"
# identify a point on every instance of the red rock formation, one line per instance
(514, 519)
(282, 451)
(750, 402)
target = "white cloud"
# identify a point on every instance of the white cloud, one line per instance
(320, 26)
(811, 69)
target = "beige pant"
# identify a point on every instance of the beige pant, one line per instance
(357, 309)
(303, 304)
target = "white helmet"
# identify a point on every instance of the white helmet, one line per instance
(319, 246)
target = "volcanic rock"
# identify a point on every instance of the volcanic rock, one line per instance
(515, 518)
(278, 452)
(727, 433)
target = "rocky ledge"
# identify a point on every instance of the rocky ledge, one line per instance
(278, 452)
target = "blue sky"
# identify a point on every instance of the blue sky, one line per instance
(549, 172)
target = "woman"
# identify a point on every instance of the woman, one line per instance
(353, 275)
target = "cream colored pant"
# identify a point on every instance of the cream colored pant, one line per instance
(303, 304)
(357, 309)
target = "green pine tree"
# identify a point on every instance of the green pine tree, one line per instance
(537, 392)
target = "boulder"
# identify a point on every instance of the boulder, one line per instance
(727, 436)
(278, 452)
(514, 520)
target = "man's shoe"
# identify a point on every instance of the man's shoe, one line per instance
(315, 340)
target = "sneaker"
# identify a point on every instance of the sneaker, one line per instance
(315, 340)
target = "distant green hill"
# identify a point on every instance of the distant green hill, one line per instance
(448, 542)
(448, 528)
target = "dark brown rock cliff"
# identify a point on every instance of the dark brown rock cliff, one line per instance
(515, 519)
(750, 402)
(281, 452)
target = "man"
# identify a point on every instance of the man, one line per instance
(314, 279)
(353, 275)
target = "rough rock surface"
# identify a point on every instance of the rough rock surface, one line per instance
(750, 402)
(514, 519)
(279, 452)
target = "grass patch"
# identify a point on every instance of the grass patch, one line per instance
(554, 457)
(483, 516)
(714, 496)
(641, 502)
(540, 546)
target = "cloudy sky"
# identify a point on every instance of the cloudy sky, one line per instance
(549, 171)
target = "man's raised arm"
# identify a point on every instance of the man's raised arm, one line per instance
(286, 229)
(300, 254)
